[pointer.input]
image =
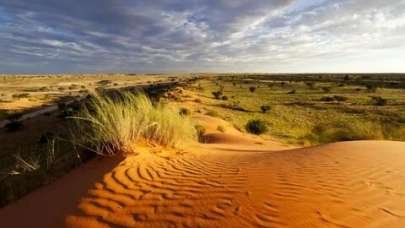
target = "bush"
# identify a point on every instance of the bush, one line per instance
(212, 113)
(265, 108)
(14, 125)
(225, 98)
(115, 125)
(379, 101)
(21, 95)
(371, 88)
(310, 85)
(256, 127)
(292, 91)
(252, 89)
(334, 98)
(217, 94)
(340, 98)
(200, 132)
(326, 89)
(184, 112)
(197, 100)
(221, 128)
(327, 99)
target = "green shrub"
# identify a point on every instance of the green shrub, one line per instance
(252, 89)
(221, 128)
(326, 89)
(379, 101)
(200, 132)
(257, 127)
(184, 111)
(340, 98)
(217, 94)
(265, 108)
(110, 125)
(21, 95)
(212, 113)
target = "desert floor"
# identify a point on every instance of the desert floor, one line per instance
(233, 181)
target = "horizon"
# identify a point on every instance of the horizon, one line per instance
(241, 36)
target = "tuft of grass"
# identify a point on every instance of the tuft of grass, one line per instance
(112, 125)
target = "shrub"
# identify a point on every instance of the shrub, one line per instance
(184, 111)
(225, 98)
(111, 125)
(197, 100)
(371, 88)
(21, 95)
(310, 85)
(326, 89)
(265, 108)
(379, 101)
(212, 113)
(334, 98)
(221, 128)
(252, 89)
(257, 127)
(292, 91)
(14, 125)
(200, 132)
(327, 99)
(340, 98)
(217, 94)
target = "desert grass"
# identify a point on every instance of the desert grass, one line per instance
(111, 125)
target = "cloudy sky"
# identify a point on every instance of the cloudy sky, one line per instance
(43, 36)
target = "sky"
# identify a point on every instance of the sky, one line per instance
(72, 36)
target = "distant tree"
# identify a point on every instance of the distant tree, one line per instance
(252, 89)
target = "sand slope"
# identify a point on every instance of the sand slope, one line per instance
(350, 184)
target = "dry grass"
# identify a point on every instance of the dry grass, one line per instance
(116, 125)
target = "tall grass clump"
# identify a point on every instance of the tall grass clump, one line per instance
(115, 124)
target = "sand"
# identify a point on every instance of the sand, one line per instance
(234, 181)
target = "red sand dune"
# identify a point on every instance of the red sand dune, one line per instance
(350, 184)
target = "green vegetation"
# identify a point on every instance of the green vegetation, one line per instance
(296, 118)
(256, 127)
(111, 125)
(184, 112)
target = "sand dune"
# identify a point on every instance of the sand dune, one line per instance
(350, 184)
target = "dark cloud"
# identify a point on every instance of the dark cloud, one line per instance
(111, 35)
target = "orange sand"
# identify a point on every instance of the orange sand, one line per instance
(232, 183)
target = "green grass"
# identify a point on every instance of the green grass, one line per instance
(115, 125)
(295, 117)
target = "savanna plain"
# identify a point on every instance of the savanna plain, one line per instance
(202, 150)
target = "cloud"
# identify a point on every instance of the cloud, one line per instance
(201, 35)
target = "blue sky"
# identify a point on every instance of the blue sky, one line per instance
(49, 36)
